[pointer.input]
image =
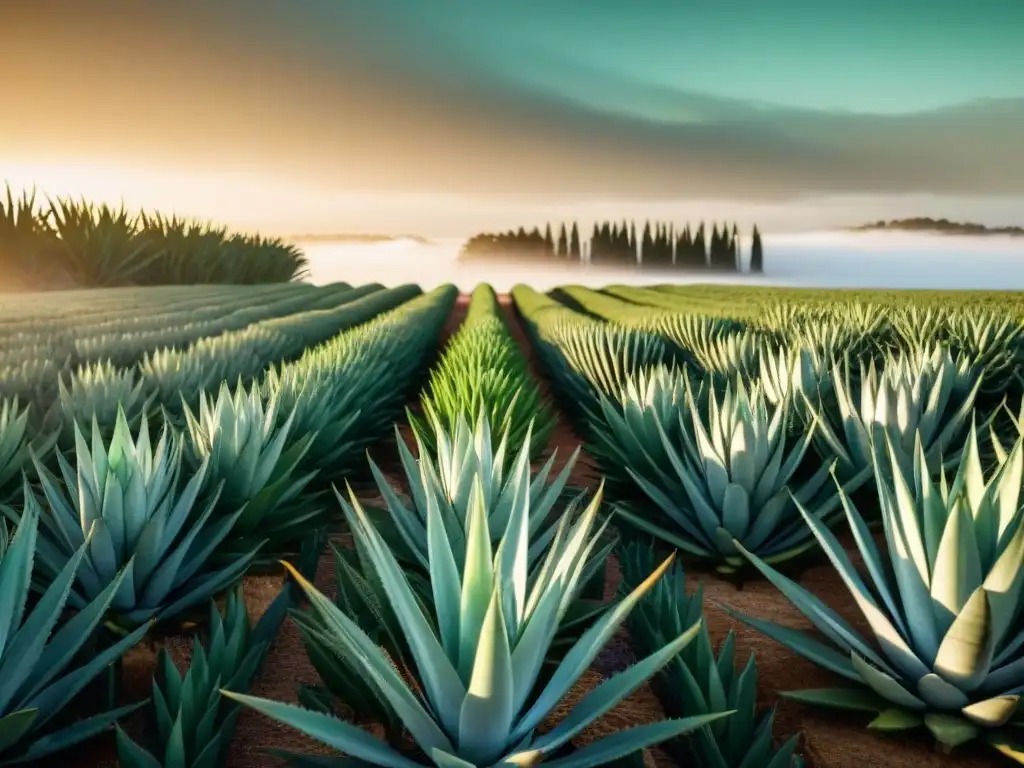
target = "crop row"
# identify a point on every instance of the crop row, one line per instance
(746, 446)
(124, 341)
(142, 380)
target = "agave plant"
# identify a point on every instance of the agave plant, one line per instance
(466, 457)
(944, 612)
(15, 451)
(124, 498)
(796, 374)
(96, 392)
(253, 464)
(192, 723)
(697, 683)
(991, 342)
(734, 478)
(479, 652)
(38, 655)
(926, 394)
(26, 237)
(468, 469)
(656, 394)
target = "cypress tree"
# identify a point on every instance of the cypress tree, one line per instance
(632, 239)
(684, 248)
(734, 248)
(700, 249)
(563, 242)
(647, 246)
(594, 248)
(549, 241)
(756, 252)
(574, 243)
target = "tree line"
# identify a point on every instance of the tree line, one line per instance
(658, 245)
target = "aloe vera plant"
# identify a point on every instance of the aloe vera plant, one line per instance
(733, 477)
(479, 651)
(943, 609)
(124, 497)
(253, 463)
(38, 654)
(696, 682)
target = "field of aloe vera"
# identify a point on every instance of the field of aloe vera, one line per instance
(279, 524)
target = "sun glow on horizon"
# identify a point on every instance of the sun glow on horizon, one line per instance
(234, 199)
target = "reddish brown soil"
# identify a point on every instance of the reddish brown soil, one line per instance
(827, 741)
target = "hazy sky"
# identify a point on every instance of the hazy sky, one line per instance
(442, 117)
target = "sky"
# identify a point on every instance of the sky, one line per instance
(442, 118)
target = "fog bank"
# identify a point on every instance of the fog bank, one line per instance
(815, 259)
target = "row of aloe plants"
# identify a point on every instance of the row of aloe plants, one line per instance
(758, 470)
(97, 245)
(130, 533)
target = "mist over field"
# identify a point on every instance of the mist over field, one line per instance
(814, 259)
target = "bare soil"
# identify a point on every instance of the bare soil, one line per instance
(827, 740)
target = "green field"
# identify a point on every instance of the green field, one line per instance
(475, 477)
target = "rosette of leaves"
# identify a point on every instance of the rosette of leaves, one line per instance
(15, 448)
(95, 392)
(125, 499)
(191, 724)
(924, 396)
(943, 606)
(990, 342)
(735, 476)
(696, 682)
(652, 395)
(478, 652)
(42, 664)
(252, 459)
(469, 470)
(796, 374)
